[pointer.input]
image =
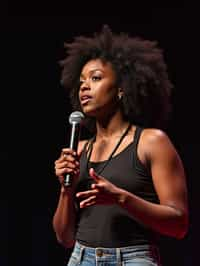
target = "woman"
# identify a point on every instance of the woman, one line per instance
(128, 180)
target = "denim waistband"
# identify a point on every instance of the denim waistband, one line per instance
(148, 251)
(125, 250)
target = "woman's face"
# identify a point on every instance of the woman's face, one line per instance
(98, 94)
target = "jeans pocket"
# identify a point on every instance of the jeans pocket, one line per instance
(72, 262)
(140, 258)
(74, 259)
(139, 262)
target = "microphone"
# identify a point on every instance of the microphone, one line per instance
(75, 120)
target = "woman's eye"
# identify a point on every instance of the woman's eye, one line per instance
(80, 82)
(96, 78)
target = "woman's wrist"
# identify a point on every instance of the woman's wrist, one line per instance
(66, 190)
(121, 197)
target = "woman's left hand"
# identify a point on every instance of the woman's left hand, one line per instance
(102, 192)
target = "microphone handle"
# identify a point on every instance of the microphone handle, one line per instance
(75, 132)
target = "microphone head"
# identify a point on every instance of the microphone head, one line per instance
(76, 117)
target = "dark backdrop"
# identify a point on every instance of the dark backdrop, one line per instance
(34, 124)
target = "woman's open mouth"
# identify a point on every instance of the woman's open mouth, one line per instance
(85, 99)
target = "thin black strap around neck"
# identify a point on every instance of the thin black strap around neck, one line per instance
(112, 153)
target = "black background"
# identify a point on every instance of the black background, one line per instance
(34, 123)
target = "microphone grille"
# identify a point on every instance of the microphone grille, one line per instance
(76, 117)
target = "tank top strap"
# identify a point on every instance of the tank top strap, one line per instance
(140, 168)
(83, 158)
(87, 145)
(136, 136)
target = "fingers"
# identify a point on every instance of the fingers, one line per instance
(66, 164)
(86, 194)
(99, 180)
(68, 153)
(88, 202)
(66, 167)
(66, 170)
(87, 198)
(94, 175)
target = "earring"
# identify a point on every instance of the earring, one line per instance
(120, 97)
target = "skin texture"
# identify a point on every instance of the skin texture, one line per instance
(100, 98)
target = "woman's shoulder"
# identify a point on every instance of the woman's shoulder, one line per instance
(154, 135)
(153, 139)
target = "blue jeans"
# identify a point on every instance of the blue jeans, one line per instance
(140, 255)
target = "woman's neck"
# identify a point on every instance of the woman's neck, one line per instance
(113, 126)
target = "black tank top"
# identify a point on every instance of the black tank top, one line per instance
(111, 225)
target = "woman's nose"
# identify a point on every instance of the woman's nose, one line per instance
(85, 86)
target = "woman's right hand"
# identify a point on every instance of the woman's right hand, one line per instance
(67, 163)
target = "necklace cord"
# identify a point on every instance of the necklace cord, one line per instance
(90, 148)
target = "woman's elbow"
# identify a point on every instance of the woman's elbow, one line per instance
(182, 227)
(64, 243)
(182, 232)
